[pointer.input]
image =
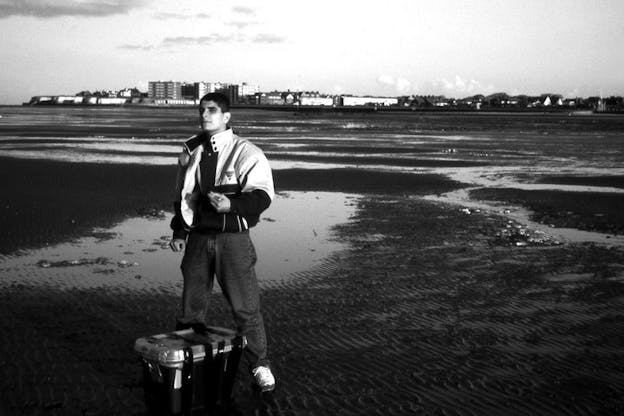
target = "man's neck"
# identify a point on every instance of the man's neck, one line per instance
(209, 134)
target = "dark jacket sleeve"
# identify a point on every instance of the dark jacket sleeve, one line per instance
(249, 204)
(177, 223)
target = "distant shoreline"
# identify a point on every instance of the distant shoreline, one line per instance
(344, 109)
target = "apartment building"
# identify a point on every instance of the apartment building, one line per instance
(246, 89)
(164, 90)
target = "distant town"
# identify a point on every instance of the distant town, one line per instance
(176, 93)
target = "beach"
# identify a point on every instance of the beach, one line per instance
(428, 307)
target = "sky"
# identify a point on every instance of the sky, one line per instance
(455, 48)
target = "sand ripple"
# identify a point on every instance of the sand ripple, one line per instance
(413, 321)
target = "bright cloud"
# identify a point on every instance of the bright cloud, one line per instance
(176, 15)
(244, 10)
(338, 89)
(385, 80)
(210, 39)
(401, 85)
(459, 87)
(200, 40)
(240, 24)
(137, 47)
(268, 38)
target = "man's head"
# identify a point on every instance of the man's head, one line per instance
(214, 113)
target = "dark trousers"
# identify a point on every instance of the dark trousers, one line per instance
(230, 257)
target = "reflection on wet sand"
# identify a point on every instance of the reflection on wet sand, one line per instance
(294, 235)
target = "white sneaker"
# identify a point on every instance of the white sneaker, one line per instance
(264, 378)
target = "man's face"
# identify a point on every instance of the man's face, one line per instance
(213, 120)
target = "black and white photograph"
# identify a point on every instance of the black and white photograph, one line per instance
(283, 208)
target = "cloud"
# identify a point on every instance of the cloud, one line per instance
(243, 10)
(400, 84)
(175, 15)
(338, 89)
(142, 85)
(169, 15)
(213, 38)
(385, 80)
(130, 47)
(268, 38)
(56, 8)
(461, 87)
(201, 40)
(240, 24)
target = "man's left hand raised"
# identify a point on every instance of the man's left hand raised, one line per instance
(219, 202)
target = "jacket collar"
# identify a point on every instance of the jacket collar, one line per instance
(219, 141)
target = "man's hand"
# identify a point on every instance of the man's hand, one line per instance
(177, 244)
(219, 202)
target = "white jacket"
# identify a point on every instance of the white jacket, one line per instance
(241, 167)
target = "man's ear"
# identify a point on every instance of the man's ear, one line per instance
(227, 116)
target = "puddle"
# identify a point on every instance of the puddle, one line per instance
(293, 236)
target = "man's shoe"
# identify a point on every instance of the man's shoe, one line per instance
(264, 378)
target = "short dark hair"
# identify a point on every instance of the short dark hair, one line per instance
(219, 99)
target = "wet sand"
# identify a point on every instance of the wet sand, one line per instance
(50, 201)
(591, 211)
(430, 310)
(614, 181)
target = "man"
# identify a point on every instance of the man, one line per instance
(224, 183)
